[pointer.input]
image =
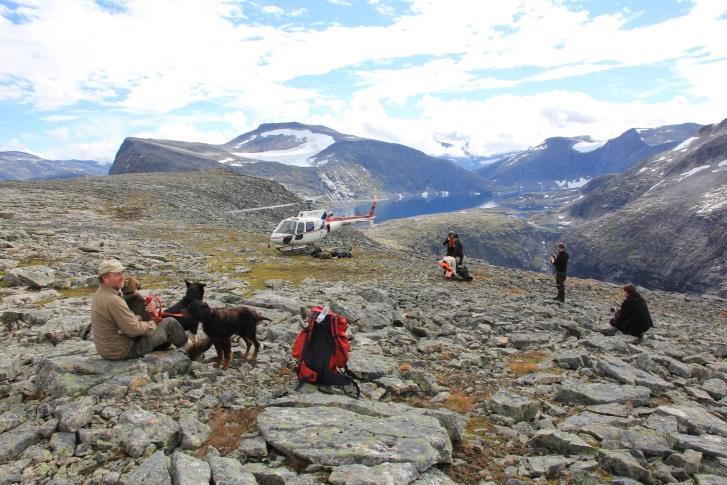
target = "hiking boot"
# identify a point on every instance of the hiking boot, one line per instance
(199, 347)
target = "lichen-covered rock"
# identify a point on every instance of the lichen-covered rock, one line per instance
(334, 437)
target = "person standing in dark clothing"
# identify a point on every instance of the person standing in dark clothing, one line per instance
(633, 318)
(454, 247)
(560, 262)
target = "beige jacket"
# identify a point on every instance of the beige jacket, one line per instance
(113, 325)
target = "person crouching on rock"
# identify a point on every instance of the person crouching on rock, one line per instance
(454, 247)
(633, 318)
(118, 333)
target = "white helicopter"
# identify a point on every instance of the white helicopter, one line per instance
(300, 232)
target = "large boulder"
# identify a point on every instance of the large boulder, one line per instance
(33, 276)
(514, 406)
(154, 471)
(59, 329)
(14, 442)
(74, 375)
(230, 471)
(331, 435)
(139, 428)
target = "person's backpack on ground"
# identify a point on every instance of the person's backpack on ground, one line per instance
(322, 350)
(463, 272)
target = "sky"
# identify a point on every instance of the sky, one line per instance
(78, 76)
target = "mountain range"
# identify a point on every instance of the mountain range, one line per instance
(661, 223)
(569, 162)
(308, 159)
(25, 166)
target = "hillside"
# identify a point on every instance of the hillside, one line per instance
(461, 382)
(562, 162)
(307, 159)
(494, 237)
(662, 223)
(25, 166)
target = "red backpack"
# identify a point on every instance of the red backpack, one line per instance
(322, 350)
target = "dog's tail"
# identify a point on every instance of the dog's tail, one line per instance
(262, 318)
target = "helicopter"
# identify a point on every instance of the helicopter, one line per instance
(299, 233)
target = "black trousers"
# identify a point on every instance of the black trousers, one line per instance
(560, 283)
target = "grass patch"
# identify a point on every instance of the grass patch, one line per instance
(459, 403)
(526, 363)
(33, 262)
(228, 426)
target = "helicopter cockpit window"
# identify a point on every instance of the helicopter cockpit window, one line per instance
(285, 227)
(309, 226)
(301, 228)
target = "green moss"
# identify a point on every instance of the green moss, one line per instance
(77, 292)
(34, 262)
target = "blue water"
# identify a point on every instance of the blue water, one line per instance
(408, 207)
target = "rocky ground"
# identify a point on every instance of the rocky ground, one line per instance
(481, 382)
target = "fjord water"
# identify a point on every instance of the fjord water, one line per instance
(413, 206)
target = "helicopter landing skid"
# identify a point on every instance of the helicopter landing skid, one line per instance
(300, 249)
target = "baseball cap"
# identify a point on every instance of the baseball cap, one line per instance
(109, 266)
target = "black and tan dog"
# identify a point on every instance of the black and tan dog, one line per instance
(220, 324)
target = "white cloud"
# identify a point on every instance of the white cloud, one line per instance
(340, 3)
(279, 12)
(148, 63)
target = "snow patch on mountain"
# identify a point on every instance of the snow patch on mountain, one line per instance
(588, 146)
(310, 144)
(685, 144)
(573, 184)
(691, 172)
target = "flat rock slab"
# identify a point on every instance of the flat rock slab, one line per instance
(601, 393)
(523, 341)
(452, 422)
(369, 366)
(73, 375)
(622, 463)
(627, 374)
(270, 299)
(394, 473)
(332, 436)
(615, 344)
(649, 442)
(560, 442)
(695, 418)
(433, 476)
(708, 444)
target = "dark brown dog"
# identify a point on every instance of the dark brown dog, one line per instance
(221, 324)
(133, 298)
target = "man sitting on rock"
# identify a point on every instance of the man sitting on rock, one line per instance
(118, 334)
(633, 318)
